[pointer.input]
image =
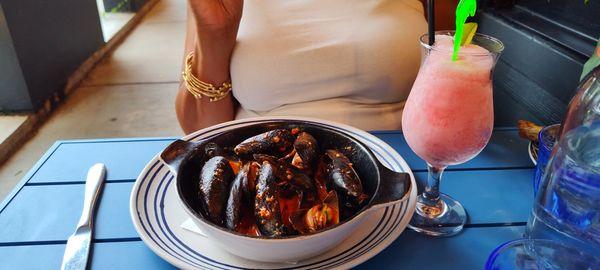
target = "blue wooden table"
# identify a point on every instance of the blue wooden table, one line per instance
(39, 215)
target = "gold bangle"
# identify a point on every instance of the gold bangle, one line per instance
(199, 88)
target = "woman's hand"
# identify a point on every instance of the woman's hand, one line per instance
(217, 15)
(217, 23)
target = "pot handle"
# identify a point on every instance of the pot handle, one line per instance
(176, 153)
(394, 187)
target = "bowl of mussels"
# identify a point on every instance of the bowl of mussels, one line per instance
(281, 190)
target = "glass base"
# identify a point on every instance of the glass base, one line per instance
(447, 219)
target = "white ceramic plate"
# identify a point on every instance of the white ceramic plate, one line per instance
(157, 215)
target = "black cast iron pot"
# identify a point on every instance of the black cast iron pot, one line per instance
(383, 186)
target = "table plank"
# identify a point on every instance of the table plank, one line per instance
(27, 176)
(468, 250)
(505, 150)
(124, 159)
(32, 257)
(507, 193)
(112, 255)
(51, 212)
(126, 255)
(495, 196)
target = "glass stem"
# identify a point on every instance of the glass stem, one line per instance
(432, 189)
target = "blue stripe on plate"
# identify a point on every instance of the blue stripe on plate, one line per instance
(172, 236)
(164, 226)
(369, 245)
(161, 244)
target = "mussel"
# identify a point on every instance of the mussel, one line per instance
(239, 215)
(215, 178)
(274, 142)
(249, 173)
(235, 202)
(212, 150)
(295, 188)
(344, 178)
(318, 217)
(287, 173)
(306, 148)
(266, 207)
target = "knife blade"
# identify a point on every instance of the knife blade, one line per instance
(78, 245)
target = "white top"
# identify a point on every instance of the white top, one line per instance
(351, 61)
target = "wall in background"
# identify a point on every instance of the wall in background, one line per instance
(545, 51)
(13, 90)
(50, 40)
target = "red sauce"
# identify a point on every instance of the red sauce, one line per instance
(235, 165)
(288, 205)
(247, 224)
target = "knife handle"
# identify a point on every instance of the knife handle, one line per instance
(93, 184)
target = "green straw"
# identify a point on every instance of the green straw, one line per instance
(465, 9)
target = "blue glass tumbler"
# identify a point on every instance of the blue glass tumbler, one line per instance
(546, 140)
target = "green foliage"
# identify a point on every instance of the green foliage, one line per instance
(115, 9)
(119, 6)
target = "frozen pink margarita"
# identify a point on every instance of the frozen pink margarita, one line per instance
(449, 116)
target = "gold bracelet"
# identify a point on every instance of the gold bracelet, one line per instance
(199, 88)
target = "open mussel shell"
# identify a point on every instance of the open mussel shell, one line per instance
(344, 178)
(306, 150)
(382, 186)
(318, 217)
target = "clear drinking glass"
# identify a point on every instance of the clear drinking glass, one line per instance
(567, 204)
(447, 120)
(539, 254)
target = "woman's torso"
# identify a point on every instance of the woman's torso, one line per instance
(352, 61)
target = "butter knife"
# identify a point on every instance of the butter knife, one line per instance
(78, 245)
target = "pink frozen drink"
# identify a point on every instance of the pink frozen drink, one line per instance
(449, 116)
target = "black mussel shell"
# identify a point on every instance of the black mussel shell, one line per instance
(306, 149)
(274, 142)
(267, 209)
(235, 202)
(215, 178)
(344, 178)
